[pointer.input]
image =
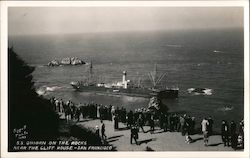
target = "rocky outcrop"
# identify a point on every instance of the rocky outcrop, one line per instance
(154, 103)
(54, 63)
(67, 61)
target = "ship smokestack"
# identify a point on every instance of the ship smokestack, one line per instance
(124, 77)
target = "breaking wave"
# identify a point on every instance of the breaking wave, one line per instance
(200, 91)
(45, 89)
(218, 51)
(173, 45)
(40, 92)
(226, 108)
(53, 88)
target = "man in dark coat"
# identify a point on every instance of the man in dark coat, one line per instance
(116, 122)
(225, 133)
(103, 130)
(134, 134)
(152, 124)
(130, 119)
(140, 122)
(233, 135)
(171, 122)
(210, 126)
(165, 123)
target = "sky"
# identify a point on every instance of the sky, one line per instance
(70, 20)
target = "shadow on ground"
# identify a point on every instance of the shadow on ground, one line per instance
(149, 149)
(146, 141)
(113, 137)
(215, 144)
(197, 139)
(123, 128)
(113, 140)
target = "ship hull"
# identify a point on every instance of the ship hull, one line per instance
(132, 92)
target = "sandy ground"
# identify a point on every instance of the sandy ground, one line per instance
(159, 141)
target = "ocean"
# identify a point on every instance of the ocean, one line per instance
(211, 59)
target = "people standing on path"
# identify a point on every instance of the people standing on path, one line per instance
(204, 127)
(225, 133)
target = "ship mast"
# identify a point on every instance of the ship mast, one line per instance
(155, 80)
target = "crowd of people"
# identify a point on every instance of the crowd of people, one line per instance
(137, 119)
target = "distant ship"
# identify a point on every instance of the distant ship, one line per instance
(125, 87)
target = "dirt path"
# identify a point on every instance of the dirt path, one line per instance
(159, 141)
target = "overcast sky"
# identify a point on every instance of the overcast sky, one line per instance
(38, 20)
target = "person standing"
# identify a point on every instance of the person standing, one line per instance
(192, 125)
(210, 126)
(233, 135)
(98, 111)
(140, 123)
(240, 139)
(130, 119)
(134, 134)
(113, 112)
(225, 133)
(152, 124)
(165, 124)
(171, 122)
(116, 122)
(57, 105)
(182, 125)
(103, 130)
(204, 127)
(78, 114)
(61, 110)
(109, 112)
(175, 122)
(161, 119)
(97, 131)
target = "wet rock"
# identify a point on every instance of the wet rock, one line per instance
(67, 61)
(54, 63)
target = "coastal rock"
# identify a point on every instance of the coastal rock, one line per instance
(67, 61)
(154, 103)
(76, 61)
(54, 63)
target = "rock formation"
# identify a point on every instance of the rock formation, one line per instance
(67, 61)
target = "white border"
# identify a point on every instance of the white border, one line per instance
(4, 81)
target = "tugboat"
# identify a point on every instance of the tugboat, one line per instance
(126, 88)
